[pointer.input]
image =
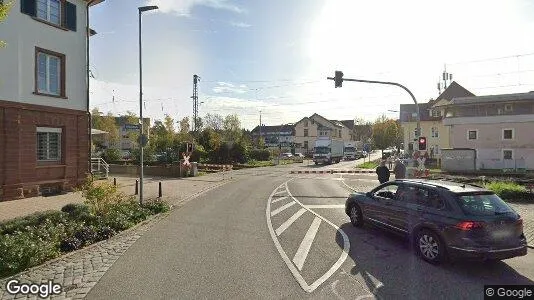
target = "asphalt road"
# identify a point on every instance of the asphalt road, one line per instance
(272, 235)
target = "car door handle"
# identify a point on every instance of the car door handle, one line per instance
(388, 203)
(419, 209)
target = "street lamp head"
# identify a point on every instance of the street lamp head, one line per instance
(147, 8)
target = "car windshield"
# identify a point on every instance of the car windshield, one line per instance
(322, 150)
(483, 204)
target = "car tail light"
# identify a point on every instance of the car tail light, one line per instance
(519, 222)
(469, 225)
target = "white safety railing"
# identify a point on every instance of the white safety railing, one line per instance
(99, 165)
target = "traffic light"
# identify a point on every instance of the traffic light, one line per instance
(338, 79)
(189, 147)
(422, 143)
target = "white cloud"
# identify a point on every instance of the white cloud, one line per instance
(226, 87)
(184, 7)
(240, 24)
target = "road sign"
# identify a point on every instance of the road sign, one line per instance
(143, 140)
(366, 147)
(131, 126)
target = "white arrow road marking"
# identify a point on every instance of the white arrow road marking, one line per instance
(305, 245)
(290, 221)
(325, 206)
(281, 209)
(278, 199)
(345, 252)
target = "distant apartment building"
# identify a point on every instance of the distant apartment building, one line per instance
(431, 115)
(309, 129)
(275, 136)
(499, 127)
(44, 123)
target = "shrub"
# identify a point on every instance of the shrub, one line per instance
(101, 196)
(157, 207)
(510, 191)
(87, 235)
(112, 155)
(259, 154)
(70, 244)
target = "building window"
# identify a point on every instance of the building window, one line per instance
(340, 133)
(49, 73)
(507, 154)
(472, 134)
(507, 134)
(306, 123)
(435, 132)
(306, 145)
(415, 132)
(305, 132)
(436, 113)
(49, 10)
(508, 107)
(48, 144)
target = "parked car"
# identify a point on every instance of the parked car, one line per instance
(298, 157)
(286, 155)
(442, 219)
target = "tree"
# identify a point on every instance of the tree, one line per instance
(184, 126)
(385, 133)
(232, 128)
(105, 123)
(362, 129)
(4, 10)
(213, 121)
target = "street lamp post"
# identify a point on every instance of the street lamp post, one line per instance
(141, 137)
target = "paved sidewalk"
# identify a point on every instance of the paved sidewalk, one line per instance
(527, 213)
(77, 272)
(174, 189)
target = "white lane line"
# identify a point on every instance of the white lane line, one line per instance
(279, 199)
(281, 209)
(280, 192)
(305, 245)
(325, 206)
(337, 264)
(289, 221)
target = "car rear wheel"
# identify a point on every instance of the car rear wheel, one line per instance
(355, 215)
(429, 246)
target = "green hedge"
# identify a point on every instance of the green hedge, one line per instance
(34, 239)
(259, 154)
(510, 191)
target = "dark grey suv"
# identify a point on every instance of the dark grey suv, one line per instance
(443, 219)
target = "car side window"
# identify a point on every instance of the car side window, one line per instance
(428, 198)
(387, 192)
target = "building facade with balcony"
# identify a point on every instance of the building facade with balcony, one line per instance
(499, 127)
(309, 129)
(44, 116)
(432, 127)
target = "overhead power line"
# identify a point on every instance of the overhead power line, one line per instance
(490, 59)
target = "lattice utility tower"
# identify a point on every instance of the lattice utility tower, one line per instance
(196, 79)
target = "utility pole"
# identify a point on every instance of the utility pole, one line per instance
(196, 79)
(260, 129)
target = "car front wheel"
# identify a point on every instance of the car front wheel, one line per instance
(355, 215)
(429, 246)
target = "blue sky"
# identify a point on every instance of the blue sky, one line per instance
(274, 56)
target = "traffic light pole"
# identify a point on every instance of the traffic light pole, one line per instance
(418, 117)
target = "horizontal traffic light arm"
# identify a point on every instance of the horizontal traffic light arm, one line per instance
(389, 83)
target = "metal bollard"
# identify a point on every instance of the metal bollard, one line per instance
(160, 191)
(137, 187)
(115, 181)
